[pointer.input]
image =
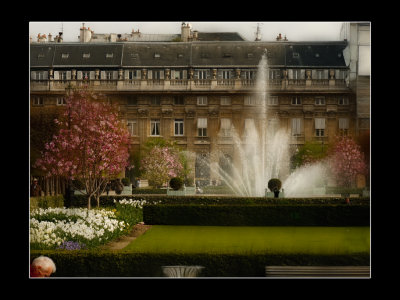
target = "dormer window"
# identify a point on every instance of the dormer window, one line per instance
(250, 55)
(86, 55)
(227, 55)
(157, 55)
(295, 55)
(109, 55)
(180, 55)
(64, 55)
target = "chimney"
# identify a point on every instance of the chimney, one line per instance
(195, 35)
(49, 37)
(185, 32)
(86, 34)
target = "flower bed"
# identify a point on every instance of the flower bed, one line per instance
(74, 228)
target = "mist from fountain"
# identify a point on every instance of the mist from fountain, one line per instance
(262, 153)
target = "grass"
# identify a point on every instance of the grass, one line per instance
(245, 239)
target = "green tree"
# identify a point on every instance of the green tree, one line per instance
(310, 152)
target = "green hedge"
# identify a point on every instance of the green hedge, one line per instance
(46, 201)
(257, 215)
(87, 263)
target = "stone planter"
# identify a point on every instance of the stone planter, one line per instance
(182, 192)
(272, 195)
(127, 190)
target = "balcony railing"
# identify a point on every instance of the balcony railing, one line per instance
(186, 84)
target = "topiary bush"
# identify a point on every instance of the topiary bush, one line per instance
(274, 184)
(176, 183)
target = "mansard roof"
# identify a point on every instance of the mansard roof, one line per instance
(216, 54)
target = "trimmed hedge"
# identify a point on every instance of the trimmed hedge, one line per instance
(87, 263)
(257, 215)
(46, 202)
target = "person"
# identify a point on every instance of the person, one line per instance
(108, 187)
(36, 190)
(42, 266)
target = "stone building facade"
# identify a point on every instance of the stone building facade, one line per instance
(194, 92)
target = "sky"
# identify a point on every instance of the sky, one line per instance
(294, 31)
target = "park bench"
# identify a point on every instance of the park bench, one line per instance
(317, 271)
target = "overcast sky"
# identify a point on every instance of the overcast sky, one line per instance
(294, 31)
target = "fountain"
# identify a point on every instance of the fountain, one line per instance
(263, 153)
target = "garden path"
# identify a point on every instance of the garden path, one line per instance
(123, 241)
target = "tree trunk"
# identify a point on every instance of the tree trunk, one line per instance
(89, 200)
(98, 200)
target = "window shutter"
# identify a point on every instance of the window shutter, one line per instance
(184, 74)
(290, 74)
(103, 75)
(33, 75)
(79, 75)
(326, 74)
(225, 123)
(138, 74)
(149, 74)
(319, 123)
(302, 74)
(202, 123)
(56, 75)
(68, 75)
(115, 75)
(45, 75)
(172, 74)
(219, 74)
(314, 74)
(343, 123)
(126, 74)
(92, 75)
(162, 74)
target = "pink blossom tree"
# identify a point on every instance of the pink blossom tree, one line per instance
(161, 164)
(346, 161)
(91, 145)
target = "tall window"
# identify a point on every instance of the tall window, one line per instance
(179, 100)
(37, 101)
(202, 126)
(319, 127)
(155, 127)
(61, 101)
(272, 100)
(178, 125)
(343, 126)
(296, 126)
(226, 127)
(319, 100)
(296, 100)
(225, 100)
(132, 127)
(250, 100)
(202, 100)
(249, 126)
(343, 100)
(155, 100)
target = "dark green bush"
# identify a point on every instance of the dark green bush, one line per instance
(46, 201)
(257, 215)
(176, 183)
(126, 181)
(87, 263)
(274, 184)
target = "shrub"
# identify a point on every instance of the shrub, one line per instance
(126, 181)
(95, 263)
(46, 202)
(176, 183)
(274, 184)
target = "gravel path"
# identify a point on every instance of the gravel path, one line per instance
(124, 241)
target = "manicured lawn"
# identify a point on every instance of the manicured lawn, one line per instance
(253, 239)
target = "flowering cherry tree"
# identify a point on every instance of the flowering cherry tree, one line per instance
(160, 164)
(91, 145)
(346, 161)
